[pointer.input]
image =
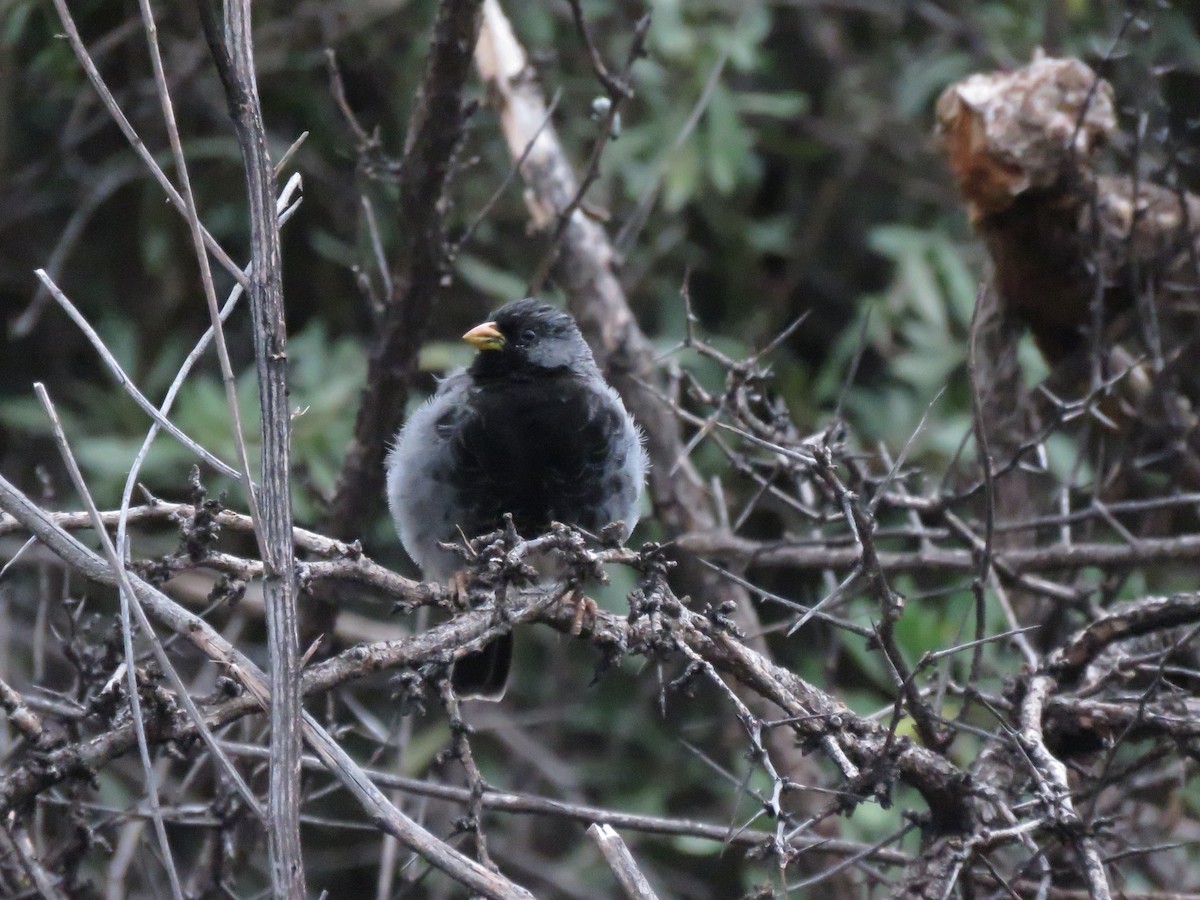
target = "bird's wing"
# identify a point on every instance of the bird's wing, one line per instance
(424, 505)
(626, 465)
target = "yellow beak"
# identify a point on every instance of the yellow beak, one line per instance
(485, 337)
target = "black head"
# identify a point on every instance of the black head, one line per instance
(528, 337)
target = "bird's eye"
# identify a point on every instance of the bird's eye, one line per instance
(528, 335)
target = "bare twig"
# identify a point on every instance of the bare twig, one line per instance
(114, 109)
(126, 383)
(460, 748)
(129, 601)
(616, 87)
(618, 91)
(1057, 790)
(23, 718)
(508, 802)
(22, 847)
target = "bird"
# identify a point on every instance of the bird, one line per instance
(529, 429)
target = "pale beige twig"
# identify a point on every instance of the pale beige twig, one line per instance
(126, 383)
(621, 861)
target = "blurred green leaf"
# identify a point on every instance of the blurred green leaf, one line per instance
(489, 279)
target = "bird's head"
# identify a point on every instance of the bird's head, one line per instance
(528, 337)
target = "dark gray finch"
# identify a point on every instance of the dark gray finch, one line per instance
(530, 428)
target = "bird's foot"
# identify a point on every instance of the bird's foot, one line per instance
(456, 589)
(585, 610)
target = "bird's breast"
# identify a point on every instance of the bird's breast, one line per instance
(541, 451)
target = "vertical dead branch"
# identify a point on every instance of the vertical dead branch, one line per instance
(235, 63)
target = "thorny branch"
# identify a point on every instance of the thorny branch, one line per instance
(1055, 698)
(813, 716)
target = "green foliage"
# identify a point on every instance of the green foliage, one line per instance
(919, 326)
(107, 429)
